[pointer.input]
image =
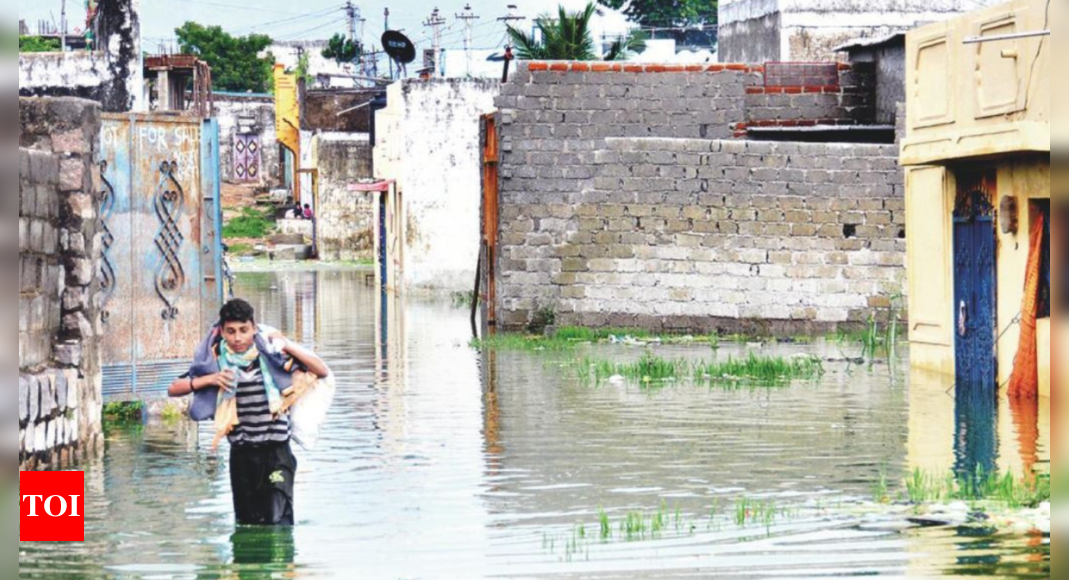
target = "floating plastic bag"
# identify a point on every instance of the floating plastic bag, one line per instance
(308, 414)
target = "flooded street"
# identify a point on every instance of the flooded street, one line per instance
(438, 462)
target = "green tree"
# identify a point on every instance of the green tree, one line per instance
(568, 37)
(342, 50)
(38, 44)
(304, 69)
(235, 61)
(668, 13)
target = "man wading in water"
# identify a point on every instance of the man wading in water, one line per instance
(244, 375)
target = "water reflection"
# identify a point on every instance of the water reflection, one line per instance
(259, 553)
(975, 439)
(439, 462)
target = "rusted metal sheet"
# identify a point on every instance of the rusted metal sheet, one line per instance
(162, 174)
(490, 218)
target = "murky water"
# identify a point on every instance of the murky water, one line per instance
(439, 462)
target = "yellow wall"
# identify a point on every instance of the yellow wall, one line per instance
(929, 251)
(991, 98)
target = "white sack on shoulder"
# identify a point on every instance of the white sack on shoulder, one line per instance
(310, 412)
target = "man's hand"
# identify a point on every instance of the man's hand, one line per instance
(225, 380)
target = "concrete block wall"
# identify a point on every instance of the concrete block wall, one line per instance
(545, 105)
(344, 218)
(707, 236)
(60, 244)
(811, 94)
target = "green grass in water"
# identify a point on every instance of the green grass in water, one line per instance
(652, 370)
(1013, 492)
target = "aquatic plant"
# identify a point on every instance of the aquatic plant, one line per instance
(881, 488)
(1014, 492)
(767, 370)
(606, 525)
(651, 370)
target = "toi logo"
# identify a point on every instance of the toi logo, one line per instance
(52, 506)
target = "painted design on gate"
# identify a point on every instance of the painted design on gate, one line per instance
(170, 275)
(107, 277)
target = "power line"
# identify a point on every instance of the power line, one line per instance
(435, 23)
(255, 8)
(287, 22)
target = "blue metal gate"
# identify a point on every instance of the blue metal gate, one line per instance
(974, 286)
(161, 273)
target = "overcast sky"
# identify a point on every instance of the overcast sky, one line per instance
(304, 19)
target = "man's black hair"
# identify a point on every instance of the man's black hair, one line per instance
(237, 310)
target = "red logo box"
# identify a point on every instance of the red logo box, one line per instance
(52, 506)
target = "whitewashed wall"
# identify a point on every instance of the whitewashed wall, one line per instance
(428, 141)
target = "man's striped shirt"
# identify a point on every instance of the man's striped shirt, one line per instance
(254, 412)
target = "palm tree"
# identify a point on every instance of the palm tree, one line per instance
(568, 37)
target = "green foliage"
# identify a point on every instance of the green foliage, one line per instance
(251, 223)
(123, 412)
(235, 61)
(304, 67)
(568, 37)
(668, 13)
(38, 44)
(342, 50)
(464, 300)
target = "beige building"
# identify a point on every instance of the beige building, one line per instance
(977, 159)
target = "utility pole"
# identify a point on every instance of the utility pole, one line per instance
(511, 17)
(63, 25)
(508, 19)
(353, 12)
(389, 60)
(435, 23)
(469, 18)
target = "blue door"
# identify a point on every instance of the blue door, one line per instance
(974, 289)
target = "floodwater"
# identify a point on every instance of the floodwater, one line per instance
(439, 462)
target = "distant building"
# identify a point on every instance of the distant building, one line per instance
(809, 30)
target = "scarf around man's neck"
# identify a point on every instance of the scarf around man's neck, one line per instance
(238, 363)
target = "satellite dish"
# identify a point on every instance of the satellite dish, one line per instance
(399, 47)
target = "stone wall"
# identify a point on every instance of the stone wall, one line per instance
(243, 115)
(704, 236)
(344, 218)
(429, 143)
(111, 76)
(60, 241)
